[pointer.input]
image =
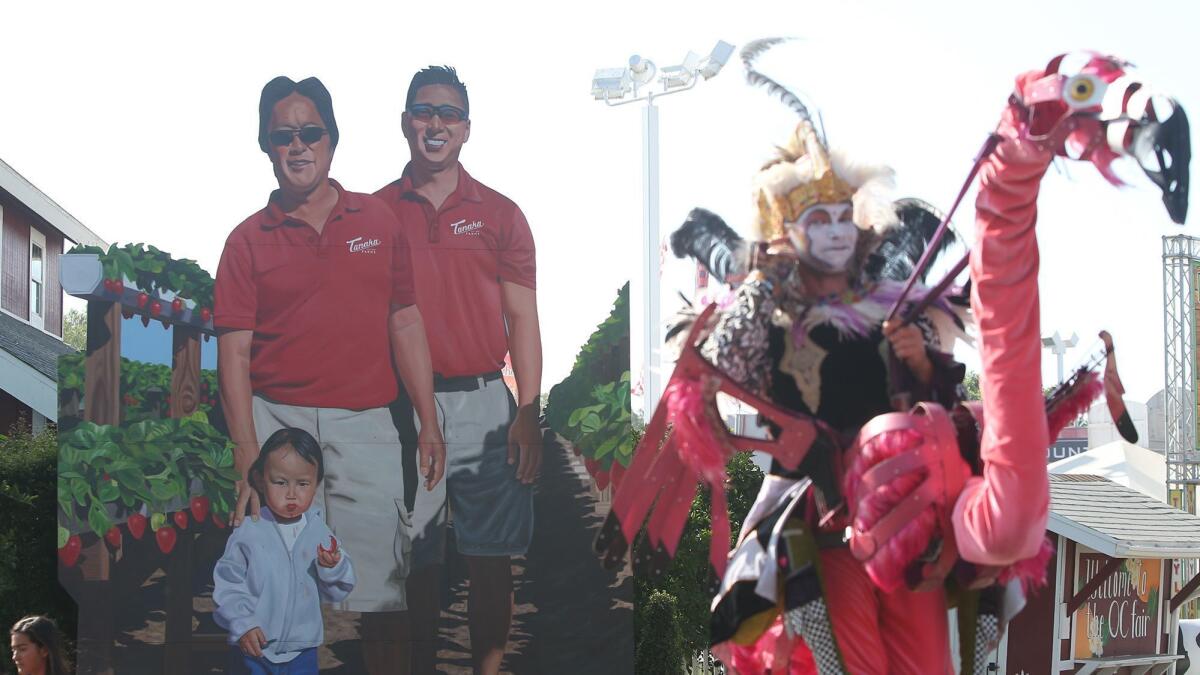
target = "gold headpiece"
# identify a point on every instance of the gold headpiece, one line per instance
(801, 177)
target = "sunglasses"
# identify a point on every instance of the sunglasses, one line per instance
(308, 135)
(449, 114)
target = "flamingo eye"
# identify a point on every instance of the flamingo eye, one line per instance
(1083, 91)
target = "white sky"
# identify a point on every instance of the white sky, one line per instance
(141, 121)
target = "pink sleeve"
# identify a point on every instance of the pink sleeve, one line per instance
(1000, 517)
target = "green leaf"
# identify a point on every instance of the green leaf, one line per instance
(108, 491)
(98, 519)
(606, 447)
(79, 490)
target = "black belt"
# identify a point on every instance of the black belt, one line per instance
(463, 382)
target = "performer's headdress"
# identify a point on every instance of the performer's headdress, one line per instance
(806, 172)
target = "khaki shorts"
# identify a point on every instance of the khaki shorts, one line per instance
(362, 494)
(492, 511)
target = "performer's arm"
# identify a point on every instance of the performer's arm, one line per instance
(739, 343)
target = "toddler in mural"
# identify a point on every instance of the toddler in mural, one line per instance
(276, 570)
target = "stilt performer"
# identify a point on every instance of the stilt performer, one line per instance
(878, 513)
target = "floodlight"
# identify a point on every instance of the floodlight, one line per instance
(683, 74)
(641, 70)
(610, 83)
(717, 59)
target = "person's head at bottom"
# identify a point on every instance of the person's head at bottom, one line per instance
(36, 647)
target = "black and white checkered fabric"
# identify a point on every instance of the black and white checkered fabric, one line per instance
(811, 622)
(987, 634)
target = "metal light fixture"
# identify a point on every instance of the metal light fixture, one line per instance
(611, 85)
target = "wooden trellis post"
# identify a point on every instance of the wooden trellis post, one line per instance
(185, 400)
(102, 405)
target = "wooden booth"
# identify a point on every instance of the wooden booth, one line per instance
(1114, 588)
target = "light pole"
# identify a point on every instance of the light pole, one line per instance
(611, 85)
(1059, 346)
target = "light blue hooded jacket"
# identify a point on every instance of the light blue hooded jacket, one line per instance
(258, 583)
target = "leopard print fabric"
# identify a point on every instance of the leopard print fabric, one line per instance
(738, 344)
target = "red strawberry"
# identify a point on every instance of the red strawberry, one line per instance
(155, 308)
(129, 399)
(578, 452)
(219, 520)
(177, 305)
(181, 519)
(591, 465)
(142, 299)
(146, 321)
(617, 473)
(127, 313)
(166, 538)
(205, 314)
(136, 525)
(601, 479)
(199, 508)
(118, 287)
(108, 285)
(69, 554)
(113, 536)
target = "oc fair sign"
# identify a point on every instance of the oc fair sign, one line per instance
(1121, 617)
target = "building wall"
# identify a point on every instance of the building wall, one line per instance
(14, 265)
(12, 411)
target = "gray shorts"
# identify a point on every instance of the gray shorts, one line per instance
(362, 494)
(491, 509)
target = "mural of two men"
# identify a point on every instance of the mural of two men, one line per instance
(323, 298)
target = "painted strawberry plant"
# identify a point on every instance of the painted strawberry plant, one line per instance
(109, 474)
(591, 407)
(145, 390)
(154, 272)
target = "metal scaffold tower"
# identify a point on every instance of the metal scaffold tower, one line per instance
(1181, 263)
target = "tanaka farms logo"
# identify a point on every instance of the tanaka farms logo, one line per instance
(463, 227)
(360, 245)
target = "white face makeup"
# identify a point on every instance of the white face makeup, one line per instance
(826, 235)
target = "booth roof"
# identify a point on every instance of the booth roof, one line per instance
(1118, 521)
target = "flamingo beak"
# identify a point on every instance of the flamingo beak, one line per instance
(1163, 149)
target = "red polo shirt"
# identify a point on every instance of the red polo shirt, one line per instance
(461, 253)
(318, 303)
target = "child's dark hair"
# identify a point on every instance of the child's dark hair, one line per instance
(298, 440)
(42, 632)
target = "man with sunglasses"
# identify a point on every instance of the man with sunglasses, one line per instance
(474, 268)
(314, 303)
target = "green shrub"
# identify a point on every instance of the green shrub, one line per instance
(690, 579)
(28, 543)
(660, 649)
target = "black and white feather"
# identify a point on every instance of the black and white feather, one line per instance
(902, 246)
(751, 52)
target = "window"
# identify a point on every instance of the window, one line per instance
(37, 278)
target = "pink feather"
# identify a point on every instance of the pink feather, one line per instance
(1074, 404)
(1031, 571)
(700, 449)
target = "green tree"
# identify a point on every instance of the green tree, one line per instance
(660, 647)
(690, 579)
(75, 329)
(28, 529)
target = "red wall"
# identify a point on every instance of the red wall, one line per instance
(14, 269)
